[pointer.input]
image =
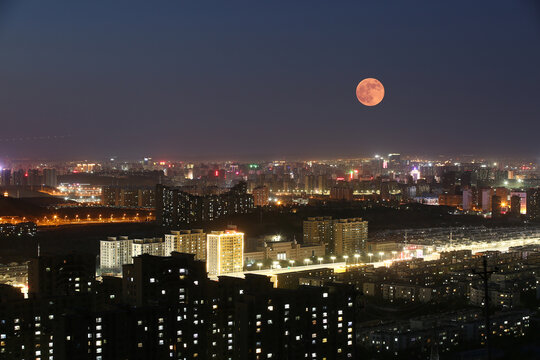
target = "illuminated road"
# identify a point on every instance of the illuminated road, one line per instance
(502, 246)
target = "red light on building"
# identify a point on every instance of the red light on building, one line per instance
(217, 173)
(25, 174)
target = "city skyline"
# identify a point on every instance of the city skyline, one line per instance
(269, 180)
(267, 80)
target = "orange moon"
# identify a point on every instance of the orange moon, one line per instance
(370, 92)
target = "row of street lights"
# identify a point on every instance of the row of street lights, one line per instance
(307, 261)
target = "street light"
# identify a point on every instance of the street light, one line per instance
(333, 259)
(259, 265)
(291, 262)
(275, 263)
(320, 260)
(370, 255)
(345, 257)
(356, 256)
(306, 261)
(394, 254)
(381, 254)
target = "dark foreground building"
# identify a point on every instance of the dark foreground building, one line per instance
(167, 308)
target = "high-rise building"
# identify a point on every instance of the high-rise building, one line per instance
(349, 236)
(496, 205)
(20, 178)
(151, 246)
(260, 196)
(340, 236)
(515, 205)
(118, 251)
(128, 196)
(33, 177)
(485, 199)
(341, 191)
(523, 200)
(50, 178)
(187, 241)
(318, 230)
(6, 177)
(225, 252)
(467, 199)
(114, 252)
(175, 207)
(533, 203)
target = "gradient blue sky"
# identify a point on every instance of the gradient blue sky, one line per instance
(245, 79)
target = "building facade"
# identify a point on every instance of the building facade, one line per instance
(350, 236)
(225, 252)
(187, 241)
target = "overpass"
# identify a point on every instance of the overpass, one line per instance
(476, 247)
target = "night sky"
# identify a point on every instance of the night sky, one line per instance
(267, 79)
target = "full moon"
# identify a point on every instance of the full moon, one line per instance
(370, 92)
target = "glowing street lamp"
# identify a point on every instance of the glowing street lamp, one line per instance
(357, 256)
(370, 255)
(259, 265)
(291, 262)
(345, 257)
(307, 261)
(333, 259)
(275, 263)
(320, 260)
(394, 254)
(381, 254)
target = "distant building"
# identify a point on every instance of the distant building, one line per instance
(522, 199)
(340, 236)
(318, 230)
(118, 251)
(33, 178)
(341, 191)
(150, 246)
(143, 197)
(6, 177)
(175, 207)
(349, 236)
(496, 205)
(533, 203)
(50, 178)
(225, 252)
(260, 196)
(485, 199)
(468, 200)
(515, 205)
(114, 252)
(450, 200)
(187, 241)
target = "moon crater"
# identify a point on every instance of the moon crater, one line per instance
(370, 92)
